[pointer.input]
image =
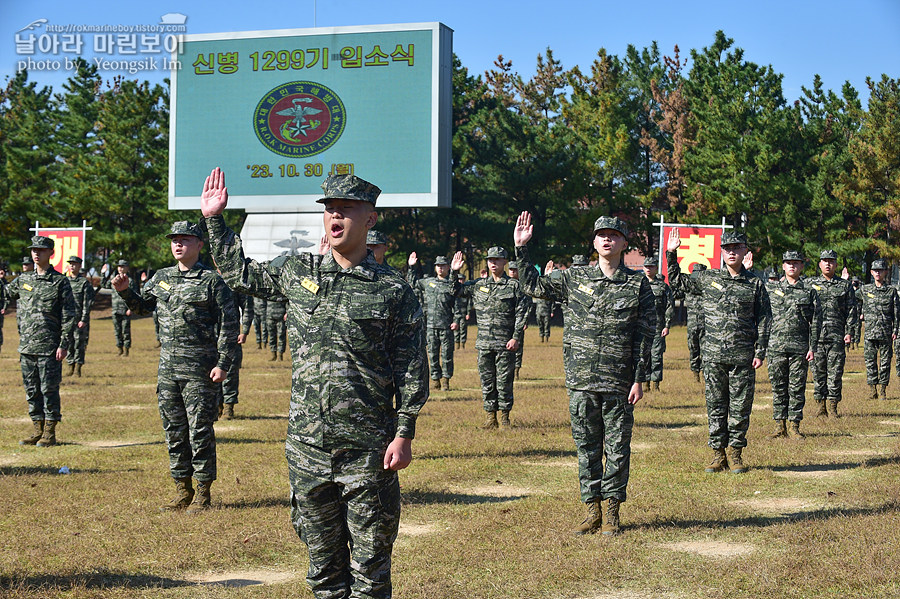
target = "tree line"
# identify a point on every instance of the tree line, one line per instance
(641, 136)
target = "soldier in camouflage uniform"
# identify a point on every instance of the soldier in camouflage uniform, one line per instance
(737, 318)
(665, 310)
(4, 300)
(439, 293)
(793, 341)
(500, 312)
(879, 308)
(461, 310)
(694, 324)
(359, 338)
(199, 325)
(259, 322)
(232, 383)
(856, 327)
(544, 311)
(838, 315)
(514, 274)
(121, 313)
(276, 309)
(46, 315)
(378, 243)
(606, 351)
(83, 292)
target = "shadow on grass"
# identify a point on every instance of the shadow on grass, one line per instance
(668, 425)
(93, 580)
(449, 498)
(522, 453)
(260, 417)
(772, 520)
(284, 502)
(29, 470)
(241, 441)
(874, 462)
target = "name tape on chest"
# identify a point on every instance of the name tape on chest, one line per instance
(165, 285)
(485, 289)
(717, 286)
(817, 288)
(27, 287)
(870, 294)
(432, 284)
(585, 289)
(779, 292)
(309, 285)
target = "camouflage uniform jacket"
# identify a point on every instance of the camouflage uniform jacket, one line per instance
(736, 312)
(880, 308)
(119, 305)
(198, 320)
(358, 340)
(839, 309)
(439, 298)
(463, 304)
(664, 302)
(4, 294)
(83, 292)
(499, 310)
(259, 308)
(244, 303)
(796, 318)
(609, 325)
(545, 307)
(45, 311)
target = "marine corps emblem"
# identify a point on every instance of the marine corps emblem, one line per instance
(299, 119)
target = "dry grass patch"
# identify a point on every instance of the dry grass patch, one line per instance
(785, 506)
(244, 578)
(713, 549)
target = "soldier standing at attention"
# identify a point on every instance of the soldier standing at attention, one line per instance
(838, 315)
(856, 327)
(199, 325)
(796, 322)
(514, 274)
(46, 315)
(737, 318)
(461, 309)
(694, 324)
(500, 312)
(378, 243)
(359, 341)
(83, 292)
(606, 351)
(439, 293)
(259, 322)
(276, 309)
(121, 313)
(665, 310)
(544, 311)
(880, 310)
(231, 386)
(4, 300)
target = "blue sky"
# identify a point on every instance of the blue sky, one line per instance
(798, 38)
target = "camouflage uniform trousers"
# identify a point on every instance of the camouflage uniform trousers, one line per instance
(601, 426)
(497, 369)
(156, 325)
(878, 354)
(232, 382)
(277, 334)
(729, 400)
(787, 373)
(694, 338)
(41, 376)
(543, 322)
(828, 370)
(520, 351)
(188, 408)
(122, 328)
(656, 357)
(346, 507)
(856, 332)
(78, 341)
(262, 331)
(440, 352)
(462, 329)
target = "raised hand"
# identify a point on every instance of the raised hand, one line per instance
(120, 282)
(457, 262)
(214, 198)
(674, 242)
(748, 260)
(413, 258)
(549, 267)
(324, 246)
(524, 229)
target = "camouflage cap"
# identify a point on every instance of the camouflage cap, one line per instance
(75, 260)
(611, 222)
(879, 264)
(185, 227)
(27, 260)
(792, 255)
(39, 242)
(348, 187)
(855, 279)
(581, 259)
(828, 255)
(651, 261)
(513, 265)
(497, 252)
(441, 261)
(122, 263)
(374, 237)
(461, 277)
(733, 237)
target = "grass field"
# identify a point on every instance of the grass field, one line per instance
(485, 515)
